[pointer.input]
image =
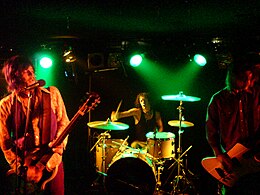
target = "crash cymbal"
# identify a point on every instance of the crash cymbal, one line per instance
(181, 97)
(108, 125)
(176, 123)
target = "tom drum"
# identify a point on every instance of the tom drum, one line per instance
(161, 145)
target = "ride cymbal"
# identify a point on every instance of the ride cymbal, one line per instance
(177, 123)
(181, 97)
(108, 125)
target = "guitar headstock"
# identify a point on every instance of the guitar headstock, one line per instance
(93, 99)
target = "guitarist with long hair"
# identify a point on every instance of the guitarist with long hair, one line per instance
(232, 128)
(31, 116)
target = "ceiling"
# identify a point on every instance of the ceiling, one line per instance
(31, 22)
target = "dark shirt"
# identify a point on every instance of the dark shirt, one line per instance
(228, 122)
(144, 126)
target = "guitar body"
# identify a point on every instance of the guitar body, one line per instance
(39, 158)
(242, 166)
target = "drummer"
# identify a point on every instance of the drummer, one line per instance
(146, 119)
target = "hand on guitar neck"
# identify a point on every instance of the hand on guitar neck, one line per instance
(226, 161)
(57, 149)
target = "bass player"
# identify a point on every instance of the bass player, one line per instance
(233, 117)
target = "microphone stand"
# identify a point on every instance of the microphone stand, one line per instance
(18, 181)
(158, 163)
(24, 168)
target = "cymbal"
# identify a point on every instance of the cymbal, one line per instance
(181, 97)
(176, 123)
(108, 125)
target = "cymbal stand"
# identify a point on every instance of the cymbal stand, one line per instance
(159, 169)
(102, 137)
(159, 163)
(181, 182)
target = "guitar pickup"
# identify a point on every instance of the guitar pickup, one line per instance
(220, 172)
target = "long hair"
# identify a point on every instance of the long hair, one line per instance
(12, 70)
(145, 95)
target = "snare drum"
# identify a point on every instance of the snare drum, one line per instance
(131, 172)
(110, 149)
(161, 145)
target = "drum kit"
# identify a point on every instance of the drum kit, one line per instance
(138, 171)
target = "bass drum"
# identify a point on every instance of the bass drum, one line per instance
(131, 172)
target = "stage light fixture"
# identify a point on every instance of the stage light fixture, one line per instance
(136, 60)
(45, 56)
(69, 56)
(200, 59)
(46, 62)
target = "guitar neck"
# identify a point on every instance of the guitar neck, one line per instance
(93, 100)
(45, 153)
(67, 130)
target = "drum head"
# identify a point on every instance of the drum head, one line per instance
(160, 135)
(130, 175)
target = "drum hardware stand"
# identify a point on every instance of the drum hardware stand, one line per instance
(181, 178)
(159, 171)
(121, 148)
(102, 137)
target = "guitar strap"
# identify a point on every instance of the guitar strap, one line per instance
(46, 124)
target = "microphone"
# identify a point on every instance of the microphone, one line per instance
(39, 83)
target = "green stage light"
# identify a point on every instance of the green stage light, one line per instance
(200, 60)
(136, 60)
(46, 62)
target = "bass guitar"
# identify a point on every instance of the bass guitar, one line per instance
(41, 156)
(244, 163)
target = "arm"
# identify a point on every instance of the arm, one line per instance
(6, 143)
(59, 108)
(159, 121)
(213, 135)
(212, 127)
(135, 112)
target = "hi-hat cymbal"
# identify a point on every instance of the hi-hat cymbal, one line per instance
(181, 97)
(177, 123)
(108, 125)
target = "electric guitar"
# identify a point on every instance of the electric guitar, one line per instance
(244, 163)
(40, 156)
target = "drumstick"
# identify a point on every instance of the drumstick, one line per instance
(118, 107)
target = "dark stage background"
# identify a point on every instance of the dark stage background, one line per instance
(113, 86)
(168, 32)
